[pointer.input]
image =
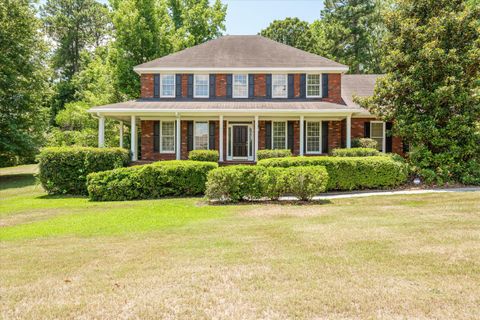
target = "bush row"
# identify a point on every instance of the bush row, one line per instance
(356, 152)
(156, 180)
(64, 170)
(348, 173)
(236, 183)
(276, 153)
(203, 155)
(364, 143)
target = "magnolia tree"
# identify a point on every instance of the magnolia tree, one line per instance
(431, 89)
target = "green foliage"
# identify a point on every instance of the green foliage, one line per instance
(350, 173)
(356, 152)
(276, 153)
(157, 180)
(364, 143)
(64, 170)
(203, 155)
(305, 182)
(290, 31)
(432, 88)
(23, 85)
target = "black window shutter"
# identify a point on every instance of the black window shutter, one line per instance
(290, 143)
(211, 135)
(178, 85)
(190, 86)
(324, 136)
(156, 86)
(388, 138)
(290, 87)
(268, 135)
(229, 85)
(189, 135)
(268, 85)
(212, 86)
(251, 85)
(303, 85)
(405, 147)
(366, 129)
(156, 136)
(324, 85)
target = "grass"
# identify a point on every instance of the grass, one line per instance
(415, 256)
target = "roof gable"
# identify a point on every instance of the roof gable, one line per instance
(237, 52)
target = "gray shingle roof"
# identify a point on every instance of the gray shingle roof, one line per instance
(251, 51)
(360, 85)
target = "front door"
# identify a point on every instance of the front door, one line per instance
(240, 141)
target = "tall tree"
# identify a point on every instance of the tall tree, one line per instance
(22, 81)
(349, 31)
(431, 88)
(291, 31)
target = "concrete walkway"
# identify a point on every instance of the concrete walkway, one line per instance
(370, 193)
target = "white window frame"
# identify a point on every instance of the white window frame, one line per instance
(286, 85)
(195, 134)
(320, 138)
(320, 84)
(384, 140)
(195, 95)
(233, 85)
(286, 135)
(162, 95)
(161, 136)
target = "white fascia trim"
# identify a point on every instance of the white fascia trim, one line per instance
(134, 111)
(239, 70)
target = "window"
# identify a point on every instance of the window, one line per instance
(279, 135)
(314, 138)
(279, 86)
(314, 85)
(167, 136)
(201, 136)
(201, 85)
(240, 86)
(167, 85)
(377, 133)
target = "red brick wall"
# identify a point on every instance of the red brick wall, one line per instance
(184, 85)
(146, 81)
(260, 88)
(334, 134)
(221, 85)
(334, 88)
(296, 85)
(147, 144)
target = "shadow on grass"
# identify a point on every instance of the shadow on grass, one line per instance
(60, 196)
(274, 202)
(17, 181)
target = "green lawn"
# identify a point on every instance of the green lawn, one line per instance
(415, 256)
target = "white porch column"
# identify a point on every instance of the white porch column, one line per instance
(220, 139)
(101, 131)
(349, 131)
(178, 138)
(302, 138)
(256, 138)
(121, 134)
(133, 138)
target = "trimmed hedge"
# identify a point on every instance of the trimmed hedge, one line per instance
(64, 170)
(156, 180)
(276, 153)
(364, 143)
(356, 152)
(349, 173)
(203, 155)
(236, 183)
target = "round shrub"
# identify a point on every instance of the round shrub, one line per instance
(305, 182)
(364, 143)
(349, 173)
(203, 155)
(156, 180)
(356, 152)
(64, 170)
(277, 153)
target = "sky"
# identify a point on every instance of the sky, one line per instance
(251, 16)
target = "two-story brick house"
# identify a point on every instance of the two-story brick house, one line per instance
(240, 94)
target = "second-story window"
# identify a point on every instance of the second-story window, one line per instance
(167, 85)
(240, 86)
(314, 86)
(279, 86)
(200, 88)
